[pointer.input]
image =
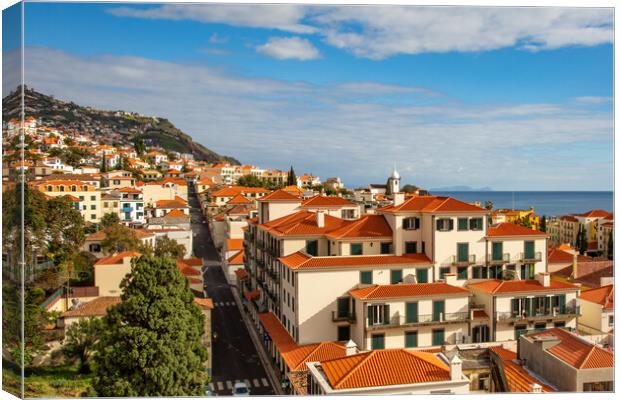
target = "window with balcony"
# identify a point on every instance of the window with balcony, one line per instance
(443, 271)
(411, 223)
(312, 247)
(421, 275)
(480, 272)
(527, 271)
(461, 273)
(411, 339)
(344, 333)
(396, 276)
(366, 277)
(378, 314)
(343, 307)
(411, 312)
(475, 224)
(356, 249)
(445, 224)
(386, 247)
(462, 252)
(411, 247)
(528, 251)
(439, 310)
(497, 250)
(463, 224)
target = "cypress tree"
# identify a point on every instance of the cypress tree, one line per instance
(583, 245)
(610, 246)
(151, 344)
(291, 180)
(543, 224)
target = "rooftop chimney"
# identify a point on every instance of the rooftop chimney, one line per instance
(320, 219)
(456, 368)
(399, 198)
(535, 388)
(450, 278)
(544, 279)
(351, 348)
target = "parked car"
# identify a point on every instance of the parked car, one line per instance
(240, 389)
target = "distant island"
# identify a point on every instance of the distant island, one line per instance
(461, 189)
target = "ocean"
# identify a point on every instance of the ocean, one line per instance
(544, 203)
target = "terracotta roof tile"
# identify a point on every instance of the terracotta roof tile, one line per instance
(302, 223)
(500, 286)
(510, 229)
(280, 195)
(241, 273)
(204, 302)
(370, 225)
(301, 260)
(429, 204)
(384, 368)
(94, 308)
(517, 377)
(117, 258)
(237, 258)
(238, 199)
(596, 213)
(326, 201)
(576, 351)
(406, 290)
(559, 256)
(603, 296)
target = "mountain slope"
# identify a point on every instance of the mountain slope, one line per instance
(110, 127)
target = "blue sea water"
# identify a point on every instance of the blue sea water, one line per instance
(544, 203)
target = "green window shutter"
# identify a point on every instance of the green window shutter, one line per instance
(438, 309)
(547, 305)
(462, 224)
(529, 249)
(378, 342)
(462, 273)
(366, 277)
(396, 275)
(356, 249)
(438, 337)
(417, 223)
(532, 271)
(386, 314)
(421, 275)
(371, 315)
(515, 305)
(562, 300)
(451, 224)
(411, 312)
(411, 339)
(463, 252)
(498, 248)
(438, 224)
(343, 307)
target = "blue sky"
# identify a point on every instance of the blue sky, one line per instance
(514, 99)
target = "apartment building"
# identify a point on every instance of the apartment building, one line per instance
(514, 307)
(110, 204)
(597, 310)
(563, 230)
(88, 195)
(131, 206)
(165, 189)
(110, 271)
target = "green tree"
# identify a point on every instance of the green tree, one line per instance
(291, 179)
(388, 188)
(65, 229)
(152, 344)
(409, 189)
(139, 146)
(104, 165)
(119, 238)
(166, 247)
(488, 205)
(250, 180)
(81, 340)
(543, 224)
(583, 244)
(610, 245)
(110, 219)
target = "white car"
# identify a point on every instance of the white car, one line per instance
(240, 389)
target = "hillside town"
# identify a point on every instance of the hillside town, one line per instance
(308, 287)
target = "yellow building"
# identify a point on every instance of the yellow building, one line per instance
(88, 197)
(516, 216)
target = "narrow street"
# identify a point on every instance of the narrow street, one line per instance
(234, 356)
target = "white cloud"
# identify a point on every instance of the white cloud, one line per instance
(218, 39)
(340, 129)
(378, 32)
(593, 99)
(283, 17)
(289, 48)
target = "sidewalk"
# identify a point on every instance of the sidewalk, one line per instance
(264, 357)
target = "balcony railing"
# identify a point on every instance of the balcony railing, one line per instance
(471, 259)
(348, 316)
(127, 209)
(571, 311)
(498, 259)
(533, 257)
(397, 321)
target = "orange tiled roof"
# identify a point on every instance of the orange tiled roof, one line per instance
(302, 223)
(384, 368)
(240, 210)
(175, 213)
(576, 351)
(326, 201)
(603, 296)
(370, 225)
(280, 195)
(101, 234)
(517, 377)
(128, 189)
(428, 204)
(406, 290)
(238, 199)
(234, 244)
(510, 229)
(530, 285)
(237, 258)
(177, 202)
(596, 213)
(252, 295)
(94, 308)
(301, 260)
(559, 256)
(117, 258)
(241, 273)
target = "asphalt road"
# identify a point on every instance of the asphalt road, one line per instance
(234, 355)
